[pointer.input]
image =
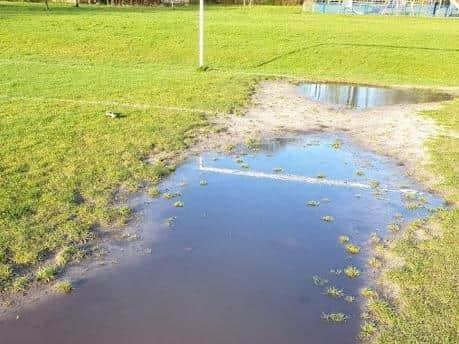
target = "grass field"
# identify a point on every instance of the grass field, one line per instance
(62, 160)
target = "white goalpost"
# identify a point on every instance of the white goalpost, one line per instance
(201, 33)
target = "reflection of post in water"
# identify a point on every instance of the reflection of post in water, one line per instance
(354, 96)
(350, 93)
(317, 91)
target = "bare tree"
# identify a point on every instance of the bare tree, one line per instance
(46, 4)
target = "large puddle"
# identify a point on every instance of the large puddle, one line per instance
(236, 263)
(363, 97)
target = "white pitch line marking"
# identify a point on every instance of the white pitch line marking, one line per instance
(109, 103)
(294, 178)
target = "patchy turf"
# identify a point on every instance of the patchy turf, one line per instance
(424, 306)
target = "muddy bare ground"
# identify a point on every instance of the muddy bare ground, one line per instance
(277, 109)
(397, 131)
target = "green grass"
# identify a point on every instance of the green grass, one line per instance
(63, 287)
(47, 273)
(425, 308)
(63, 160)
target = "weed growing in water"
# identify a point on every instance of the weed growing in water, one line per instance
(313, 203)
(230, 148)
(335, 317)
(337, 144)
(343, 239)
(352, 272)
(203, 182)
(360, 173)
(328, 218)
(352, 249)
(253, 144)
(374, 184)
(336, 272)
(277, 169)
(374, 263)
(393, 227)
(154, 192)
(170, 195)
(334, 292)
(368, 293)
(47, 273)
(375, 239)
(349, 299)
(170, 221)
(321, 176)
(319, 281)
(178, 204)
(63, 287)
(239, 160)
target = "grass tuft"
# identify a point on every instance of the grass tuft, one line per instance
(328, 218)
(335, 318)
(352, 272)
(63, 287)
(319, 281)
(352, 249)
(368, 293)
(334, 292)
(47, 273)
(313, 203)
(393, 227)
(343, 239)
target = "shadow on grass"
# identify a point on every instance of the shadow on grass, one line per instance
(352, 45)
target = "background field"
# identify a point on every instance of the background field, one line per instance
(62, 160)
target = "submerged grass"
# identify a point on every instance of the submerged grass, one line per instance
(335, 317)
(334, 292)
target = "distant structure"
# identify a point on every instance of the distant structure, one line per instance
(445, 8)
(173, 3)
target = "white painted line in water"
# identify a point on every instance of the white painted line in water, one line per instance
(283, 177)
(294, 178)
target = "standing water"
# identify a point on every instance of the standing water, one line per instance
(245, 257)
(363, 97)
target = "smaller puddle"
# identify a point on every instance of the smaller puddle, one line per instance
(364, 97)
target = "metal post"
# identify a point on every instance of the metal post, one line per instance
(201, 33)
